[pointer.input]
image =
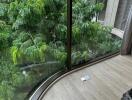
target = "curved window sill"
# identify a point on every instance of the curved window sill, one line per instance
(46, 85)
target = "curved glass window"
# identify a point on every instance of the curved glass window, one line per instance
(33, 35)
(36, 42)
(91, 39)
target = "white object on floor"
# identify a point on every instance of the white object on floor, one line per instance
(85, 78)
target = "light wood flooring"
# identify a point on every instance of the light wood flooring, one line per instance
(108, 81)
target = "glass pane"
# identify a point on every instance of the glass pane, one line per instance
(33, 35)
(91, 39)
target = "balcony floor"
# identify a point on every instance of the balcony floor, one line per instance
(109, 80)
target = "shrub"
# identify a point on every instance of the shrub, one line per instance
(10, 78)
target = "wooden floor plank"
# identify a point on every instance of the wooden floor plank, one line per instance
(108, 81)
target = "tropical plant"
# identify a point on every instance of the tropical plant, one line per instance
(3, 11)
(4, 35)
(89, 35)
(28, 49)
(26, 14)
(10, 78)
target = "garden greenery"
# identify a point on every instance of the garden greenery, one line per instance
(35, 32)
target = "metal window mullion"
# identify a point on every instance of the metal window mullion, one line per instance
(69, 33)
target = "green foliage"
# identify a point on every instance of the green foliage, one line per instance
(83, 13)
(42, 51)
(57, 50)
(15, 54)
(88, 34)
(2, 25)
(27, 48)
(4, 35)
(55, 20)
(85, 10)
(10, 78)
(25, 13)
(3, 11)
(79, 56)
(4, 43)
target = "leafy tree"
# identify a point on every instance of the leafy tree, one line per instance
(55, 20)
(3, 11)
(10, 78)
(28, 49)
(89, 35)
(26, 14)
(4, 35)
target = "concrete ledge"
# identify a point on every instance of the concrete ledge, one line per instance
(118, 32)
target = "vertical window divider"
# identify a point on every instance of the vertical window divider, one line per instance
(69, 33)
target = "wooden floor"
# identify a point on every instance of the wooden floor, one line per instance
(109, 80)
